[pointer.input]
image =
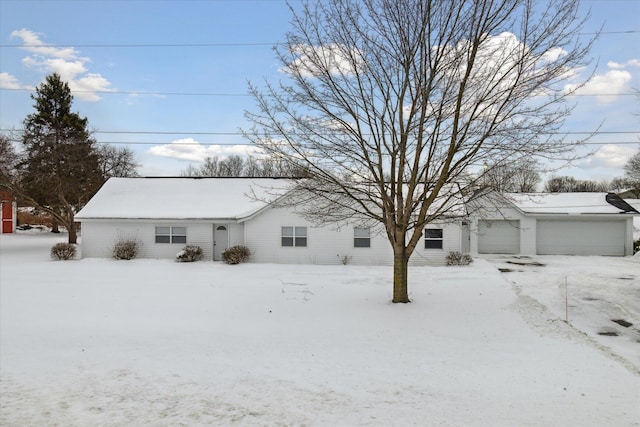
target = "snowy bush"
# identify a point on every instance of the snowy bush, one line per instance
(636, 246)
(190, 253)
(236, 254)
(63, 251)
(457, 258)
(126, 249)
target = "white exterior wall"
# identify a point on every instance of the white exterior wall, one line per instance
(628, 245)
(99, 237)
(326, 245)
(236, 234)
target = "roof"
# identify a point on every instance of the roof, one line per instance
(564, 203)
(182, 198)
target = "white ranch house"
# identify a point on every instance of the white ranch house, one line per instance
(165, 214)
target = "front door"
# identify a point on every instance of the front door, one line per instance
(220, 241)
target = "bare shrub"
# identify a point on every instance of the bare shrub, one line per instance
(236, 254)
(190, 253)
(63, 251)
(457, 258)
(126, 249)
(344, 259)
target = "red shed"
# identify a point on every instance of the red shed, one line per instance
(7, 211)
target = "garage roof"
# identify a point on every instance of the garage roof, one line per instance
(565, 203)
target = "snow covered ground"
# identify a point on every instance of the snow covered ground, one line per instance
(155, 342)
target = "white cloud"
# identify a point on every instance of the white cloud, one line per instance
(192, 150)
(608, 86)
(7, 81)
(611, 156)
(66, 62)
(33, 44)
(554, 54)
(315, 60)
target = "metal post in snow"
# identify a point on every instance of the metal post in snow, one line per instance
(566, 301)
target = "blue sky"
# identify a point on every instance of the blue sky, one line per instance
(142, 69)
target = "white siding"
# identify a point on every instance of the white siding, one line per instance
(451, 241)
(99, 237)
(236, 234)
(327, 245)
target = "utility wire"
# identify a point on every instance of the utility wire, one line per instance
(125, 92)
(219, 44)
(142, 132)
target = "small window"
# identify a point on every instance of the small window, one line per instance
(361, 237)
(433, 238)
(171, 235)
(294, 236)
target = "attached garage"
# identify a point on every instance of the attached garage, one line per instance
(498, 236)
(581, 237)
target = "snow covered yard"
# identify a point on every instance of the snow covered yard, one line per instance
(154, 342)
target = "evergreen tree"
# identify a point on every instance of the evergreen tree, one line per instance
(60, 170)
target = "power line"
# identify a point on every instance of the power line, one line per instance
(218, 144)
(218, 44)
(144, 132)
(125, 92)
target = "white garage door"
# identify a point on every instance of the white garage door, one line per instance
(558, 237)
(498, 237)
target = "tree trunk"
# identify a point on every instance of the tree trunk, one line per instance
(54, 226)
(73, 235)
(400, 275)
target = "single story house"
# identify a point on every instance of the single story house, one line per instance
(8, 211)
(165, 214)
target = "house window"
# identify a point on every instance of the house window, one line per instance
(361, 237)
(433, 238)
(171, 235)
(294, 236)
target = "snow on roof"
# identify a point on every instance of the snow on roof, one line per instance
(563, 203)
(182, 198)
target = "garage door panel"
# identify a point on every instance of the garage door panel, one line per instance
(498, 237)
(575, 237)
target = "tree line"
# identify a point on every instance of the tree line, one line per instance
(238, 166)
(524, 177)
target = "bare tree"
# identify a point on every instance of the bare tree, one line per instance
(231, 166)
(522, 177)
(115, 161)
(618, 184)
(632, 173)
(389, 103)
